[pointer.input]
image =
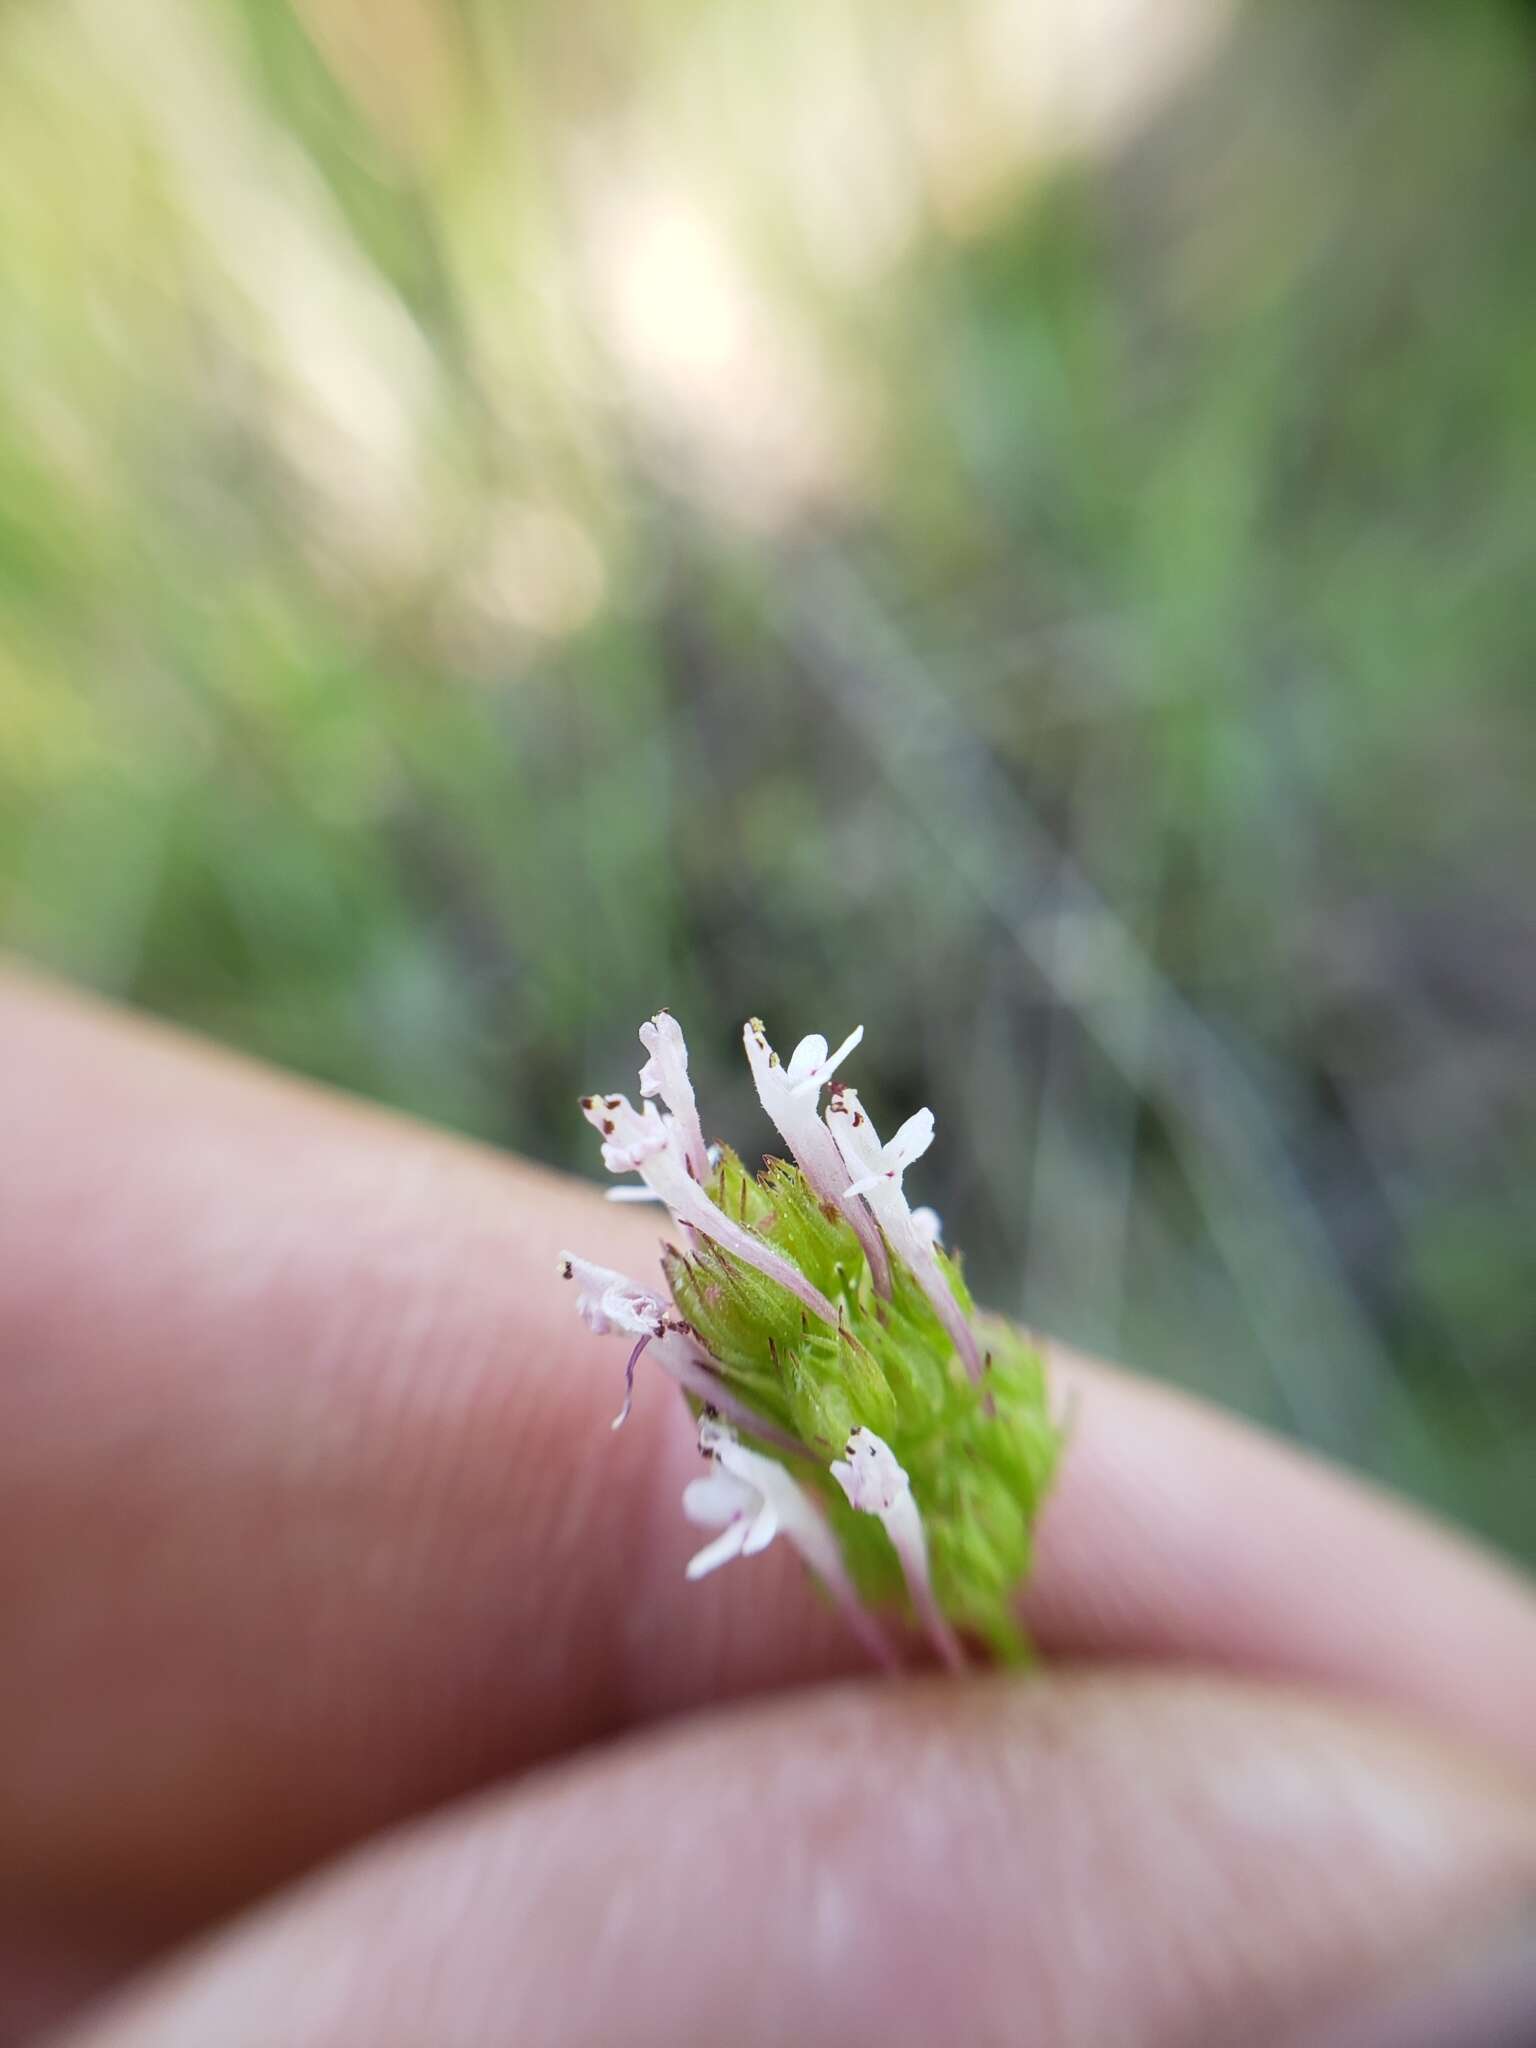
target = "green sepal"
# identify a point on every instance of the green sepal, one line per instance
(819, 1240)
(834, 1387)
(743, 1319)
(915, 1360)
(736, 1192)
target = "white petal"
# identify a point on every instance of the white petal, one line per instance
(629, 1136)
(765, 1526)
(806, 1057)
(667, 1066)
(633, 1311)
(929, 1223)
(911, 1141)
(791, 1507)
(812, 1067)
(717, 1498)
(873, 1478)
(857, 1139)
(607, 1301)
(727, 1544)
(854, 1038)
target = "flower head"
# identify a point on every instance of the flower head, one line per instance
(828, 1349)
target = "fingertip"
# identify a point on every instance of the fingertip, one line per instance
(1143, 1859)
(1179, 1533)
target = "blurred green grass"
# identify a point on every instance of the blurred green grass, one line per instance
(509, 517)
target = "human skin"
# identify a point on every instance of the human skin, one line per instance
(351, 1692)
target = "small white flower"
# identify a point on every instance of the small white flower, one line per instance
(631, 1138)
(790, 1095)
(611, 1305)
(890, 1162)
(873, 1478)
(811, 1066)
(665, 1073)
(877, 1172)
(751, 1499)
(607, 1302)
(876, 1484)
(744, 1517)
(651, 1145)
(649, 1195)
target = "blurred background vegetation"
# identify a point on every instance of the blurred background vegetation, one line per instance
(1007, 521)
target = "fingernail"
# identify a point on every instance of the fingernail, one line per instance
(1481, 1993)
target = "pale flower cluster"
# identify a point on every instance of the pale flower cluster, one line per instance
(748, 1497)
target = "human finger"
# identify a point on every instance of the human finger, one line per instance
(1155, 1861)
